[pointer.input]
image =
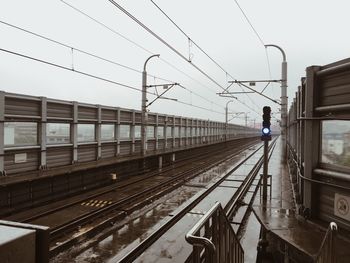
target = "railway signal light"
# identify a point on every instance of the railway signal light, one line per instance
(266, 131)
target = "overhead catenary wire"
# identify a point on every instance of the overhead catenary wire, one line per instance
(190, 39)
(250, 23)
(98, 57)
(259, 38)
(164, 42)
(133, 42)
(173, 49)
(72, 48)
(199, 47)
(146, 50)
(98, 78)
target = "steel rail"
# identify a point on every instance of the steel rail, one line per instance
(133, 254)
(119, 206)
(112, 188)
(243, 189)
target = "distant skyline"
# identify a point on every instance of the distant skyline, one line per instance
(311, 33)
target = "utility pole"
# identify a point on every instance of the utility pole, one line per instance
(144, 115)
(284, 101)
(144, 104)
(226, 118)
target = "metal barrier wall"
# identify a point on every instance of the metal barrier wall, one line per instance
(214, 240)
(38, 133)
(319, 142)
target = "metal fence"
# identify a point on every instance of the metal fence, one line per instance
(319, 142)
(38, 133)
(214, 240)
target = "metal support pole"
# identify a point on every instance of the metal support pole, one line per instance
(284, 102)
(265, 170)
(226, 122)
(144, 118)
(144, 115)
(284, 110)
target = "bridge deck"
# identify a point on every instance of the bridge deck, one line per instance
(280, 219)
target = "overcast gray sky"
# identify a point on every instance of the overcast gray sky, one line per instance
(312, 32)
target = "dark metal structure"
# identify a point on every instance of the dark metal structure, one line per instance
(318, 139)
(95, 133)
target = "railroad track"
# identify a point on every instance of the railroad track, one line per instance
(230, 208)
(127, 204)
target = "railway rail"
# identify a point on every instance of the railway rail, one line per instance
(120, 208)
(230, 208)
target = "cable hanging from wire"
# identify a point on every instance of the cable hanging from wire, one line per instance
(72, 49)
(199, 47)
(134, 43)
(146, 50)
(171, 47)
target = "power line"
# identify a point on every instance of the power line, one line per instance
(259, 38)
(251, 25)
(191, 40)
(171, 47)
(148, 51)
(163, 41)
(96, 56)
(78, 49)
(97, 77)
(133, 42)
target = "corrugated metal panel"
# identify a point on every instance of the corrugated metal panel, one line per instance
(169, 143)
(152, 119)
(170, 121)
(335, 89)
(325, 204)
(189, 141)
(177, 142)
(59, 110)
(14, 106)
(108, 114)
(161, 120)
(86, 153)
(125, 116)
(151, 145)
(125, 148)
(161, 144)
(108, 150)
(137, 117)
(59, 156)
(31, 164)
(87, 113)
(137, 147)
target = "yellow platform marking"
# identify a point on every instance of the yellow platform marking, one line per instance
(96, 203)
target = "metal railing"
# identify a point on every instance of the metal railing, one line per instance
(327, 251)
(214, 240)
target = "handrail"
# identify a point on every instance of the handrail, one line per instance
(202, 241)
(327, 251)
(217, 231)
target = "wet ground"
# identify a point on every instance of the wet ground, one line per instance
(140, 224)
